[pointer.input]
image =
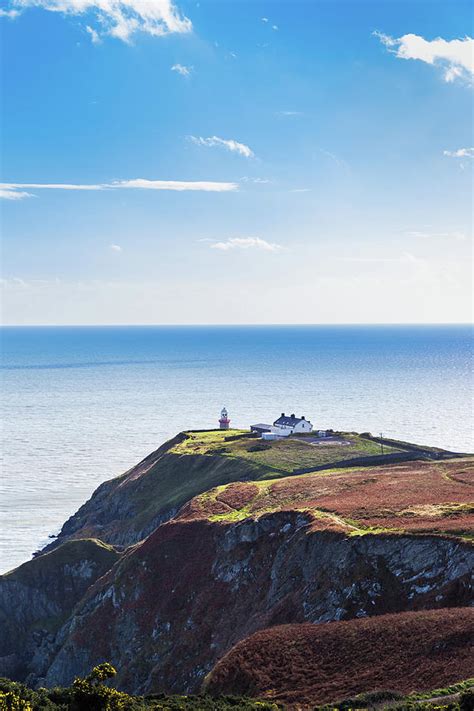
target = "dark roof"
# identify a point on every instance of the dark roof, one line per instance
(288, 421)
(261, 426)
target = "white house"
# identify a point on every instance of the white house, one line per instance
(285, 425)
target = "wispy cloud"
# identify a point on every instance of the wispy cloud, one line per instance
(455, 57)
(7, 193)
(246, 243)
(116, 248)
(404, 258)
(300, 190)
(288, 113)
(94, 35)
(336, 159)
(9, 14)
(256, 181)
(15, 191)
(460, 153)
(228, 144)
(116, 18)
(266, 21)
(456, 235)
(182, 69)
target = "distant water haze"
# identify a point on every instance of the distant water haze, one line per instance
(83, 404)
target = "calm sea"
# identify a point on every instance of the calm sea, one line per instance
(81, 405)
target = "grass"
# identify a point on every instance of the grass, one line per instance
(445, 690)
(280, 456)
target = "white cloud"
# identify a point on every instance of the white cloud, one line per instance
(455, 56)
(95, 37)
(181, 69)
(289, 113)
(257, 181)
(7, 193)
(275, 27)
(118, 18)
(460, 153)
(10, 14)
(246, 243)
(229, 145)
(300, 190)
(264, 19)
(14, 191)
(116, 248)
(180, 185)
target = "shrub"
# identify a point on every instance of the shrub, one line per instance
(466, 700)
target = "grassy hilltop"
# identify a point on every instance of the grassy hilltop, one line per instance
(126, 509)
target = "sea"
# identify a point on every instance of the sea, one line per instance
(81, 405)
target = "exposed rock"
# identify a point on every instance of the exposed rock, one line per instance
(178, 602)
(37, 597)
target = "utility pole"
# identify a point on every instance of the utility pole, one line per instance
(381, 441)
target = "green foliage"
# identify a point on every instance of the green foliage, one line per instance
(10, 701)
(92, 694)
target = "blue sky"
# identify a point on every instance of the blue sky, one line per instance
(236, 162)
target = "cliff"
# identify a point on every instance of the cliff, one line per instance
(241, 543)
(38, 597)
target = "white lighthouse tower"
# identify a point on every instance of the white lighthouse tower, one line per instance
(224, 421)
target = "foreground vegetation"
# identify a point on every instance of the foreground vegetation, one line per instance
(93, 694)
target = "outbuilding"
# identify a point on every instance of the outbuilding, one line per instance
(260, 428)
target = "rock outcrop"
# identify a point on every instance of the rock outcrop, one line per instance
(37, 598)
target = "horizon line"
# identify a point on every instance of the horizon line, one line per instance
(234, 325)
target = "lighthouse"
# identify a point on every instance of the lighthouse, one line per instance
(224, 421)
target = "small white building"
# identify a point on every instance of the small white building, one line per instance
(287, 425)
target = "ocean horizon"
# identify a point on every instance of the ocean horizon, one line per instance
(82, 404)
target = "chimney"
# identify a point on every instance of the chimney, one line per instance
(283, 414)
(293, 414)
(302, 417)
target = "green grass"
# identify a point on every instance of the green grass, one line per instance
(281, 456)
(445, 691)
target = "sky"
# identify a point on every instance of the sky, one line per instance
(236, 161)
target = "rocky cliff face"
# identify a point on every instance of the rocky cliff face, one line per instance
(178, 602)
(37, 597)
